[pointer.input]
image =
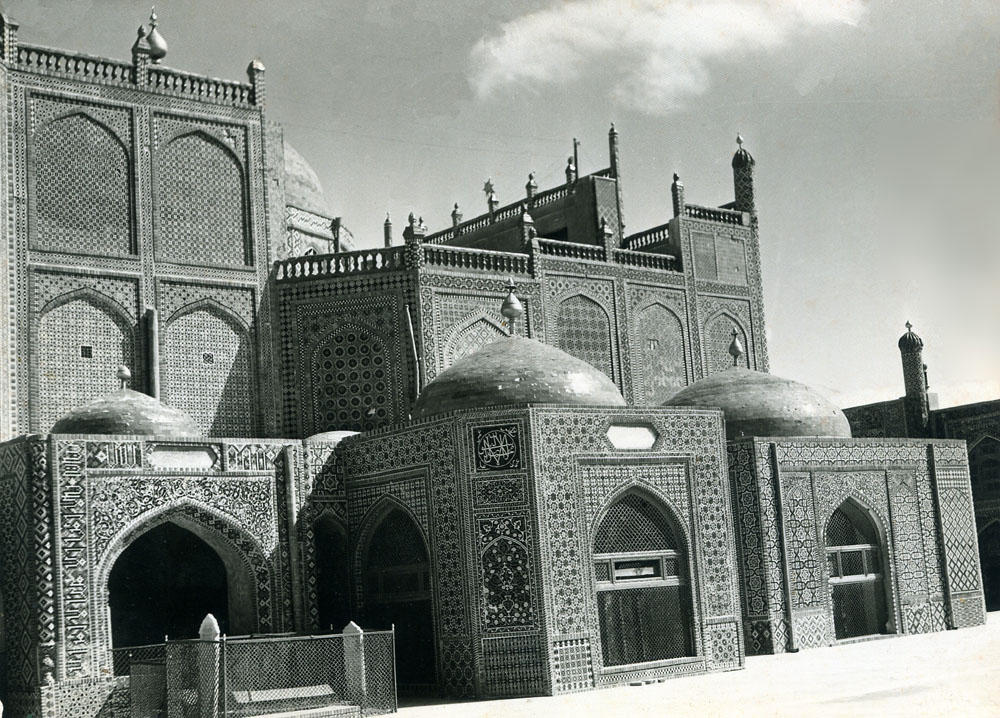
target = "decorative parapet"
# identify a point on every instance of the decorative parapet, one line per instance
(364, 261)
(647, 238)
(533, 200)
(647, 260)
(572, 250)
(714, 214)
(102, 71)
(479, 260)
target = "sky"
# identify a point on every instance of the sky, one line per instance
(875, 127)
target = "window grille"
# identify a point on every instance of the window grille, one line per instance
(855, 574)
(643, 599)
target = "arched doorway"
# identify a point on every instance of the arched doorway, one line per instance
(989, 556)
(856, 565)
(163, 584)
(332, 574)
(643, 596)
(398, 592)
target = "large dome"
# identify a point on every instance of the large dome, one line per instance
(759, 404)
(127, 412)
(302, 187)
(514, 370)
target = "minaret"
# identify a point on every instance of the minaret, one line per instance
(743, 164)
(916, 402)
(387, 231)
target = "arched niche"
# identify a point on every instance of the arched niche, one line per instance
(396, 586)
(174, 558)
(857, 558)
(642, 582)
(333, 571)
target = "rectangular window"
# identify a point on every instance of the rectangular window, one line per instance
(638, 569)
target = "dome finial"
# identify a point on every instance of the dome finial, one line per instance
(909, 327)
(739, 140)
(511, 308)
(736, 350)
(157, 43)
(124, 376)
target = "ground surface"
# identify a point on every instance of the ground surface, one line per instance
(954, 673)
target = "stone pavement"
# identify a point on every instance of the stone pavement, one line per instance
(954, 673)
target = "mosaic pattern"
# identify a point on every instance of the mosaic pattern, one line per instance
(207, 372)
(584, 331)
(82, 188)
(718, 336)
(200, 212)
(659, 337)
(506, 574)
(71, 374)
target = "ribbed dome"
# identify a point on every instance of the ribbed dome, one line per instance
(302, 186)
(514, 370)
(910, 342)
(127, 412)
(759, 404)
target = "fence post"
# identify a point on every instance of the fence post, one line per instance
(354, 664)
(208, 667)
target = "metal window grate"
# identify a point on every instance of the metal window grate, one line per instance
(644, 624)
(633, 524)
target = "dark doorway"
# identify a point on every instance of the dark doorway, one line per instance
(398, 592)
(643, 597)
(989, 556)
(163, 584)
(332, 575)
(854, 560)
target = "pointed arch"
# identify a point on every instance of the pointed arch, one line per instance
(857, 566)
(394, 567)
(661, 346)
(583, 329)
(81, 191)
(472, 333)
(716, 339)
(73, 368)
(247, 571)
(208, 368)
(642, 580)
(332, 570)
(201, 202)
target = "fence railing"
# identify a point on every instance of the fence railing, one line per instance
(476, 259)
(340, 674)
(572, 250)
(327, 265)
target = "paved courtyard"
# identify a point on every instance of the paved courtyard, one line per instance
(955, 673)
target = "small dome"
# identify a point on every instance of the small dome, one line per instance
(302, 187)
(330, 437)
(910, 342)
(742, 158)
(759, 404)
(127, 412)
(515, 370)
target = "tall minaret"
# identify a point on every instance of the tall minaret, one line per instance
(916, 402)
(743, 163)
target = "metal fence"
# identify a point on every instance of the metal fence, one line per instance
(338, 674)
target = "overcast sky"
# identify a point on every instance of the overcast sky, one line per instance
(875, 126)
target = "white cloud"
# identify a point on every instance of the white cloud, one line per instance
(656, 54)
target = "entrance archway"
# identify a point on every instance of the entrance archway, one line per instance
(398, 592)
(332, 574)
(643, 596)
(857, 573)
(163, 584)
(989, 556)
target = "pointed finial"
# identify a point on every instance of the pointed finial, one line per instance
(677, 177)
(488, 187)
(909, 327)
(124, 376)
(736, 350)
(141, 32)
(739, 140)
(152, 16)
(157, 44)
(387, 220)
(511, 308)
